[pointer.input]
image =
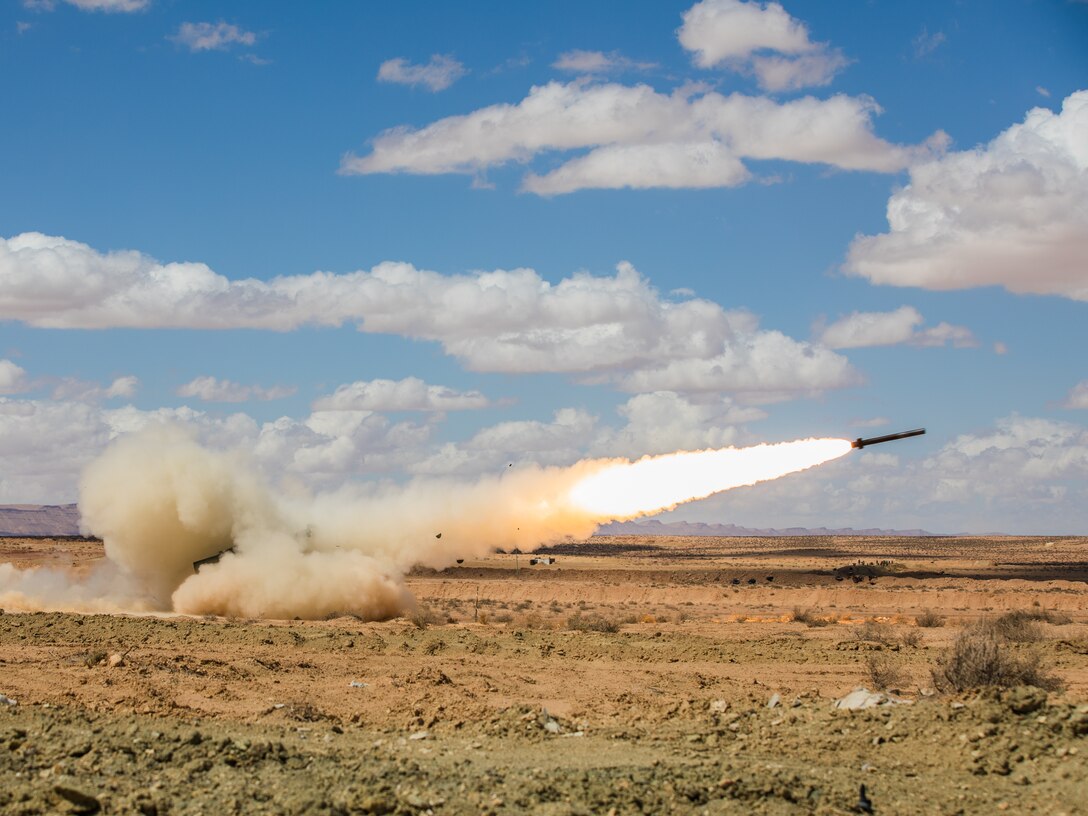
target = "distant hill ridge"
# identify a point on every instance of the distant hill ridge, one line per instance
(39, 520)
(63, 520)
(653, 527)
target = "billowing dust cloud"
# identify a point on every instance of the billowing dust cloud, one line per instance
(160, 501)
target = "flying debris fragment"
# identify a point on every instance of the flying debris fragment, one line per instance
(876, 440)
(211, 559)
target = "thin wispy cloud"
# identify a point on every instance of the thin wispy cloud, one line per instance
(925, 43)
(212, 36)
(106, 6)
(210, 389)
(437, 75)
(597, 62)
(73, 389)
(902, 326)
(409, 394)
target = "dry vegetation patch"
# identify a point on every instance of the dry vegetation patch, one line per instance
(929, 619)
(591, 622)
(809, 617)
(981, 656)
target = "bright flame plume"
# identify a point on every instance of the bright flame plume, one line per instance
(655, 483)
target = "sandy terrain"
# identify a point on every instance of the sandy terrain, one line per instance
(488, 702)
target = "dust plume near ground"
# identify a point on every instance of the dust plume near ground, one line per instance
(161, 502)
(634, 675)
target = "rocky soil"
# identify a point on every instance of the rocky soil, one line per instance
(679, 692)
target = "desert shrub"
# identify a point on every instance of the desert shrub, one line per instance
(423, 616)
(504, 617)
(534, 621)
(1051, 616)
(808, 617)
(647, 618)
(1016, 626)
(884, 674)
(523, 605)
(910, 637)
(929, 619)
(306, 712)
(482, 617)
(980, 657)
(875, 632)
(591, 623)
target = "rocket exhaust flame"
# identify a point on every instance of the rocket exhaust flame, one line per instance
(657, 483)
(161, 502)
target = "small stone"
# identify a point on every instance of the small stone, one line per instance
(1025, 699)
(552, 727)
(419, 735)
(774, 701)
(81, 802)
(115, 660)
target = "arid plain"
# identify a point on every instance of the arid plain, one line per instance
(632, 675)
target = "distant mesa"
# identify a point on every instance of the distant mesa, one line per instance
(44, 520)
(653, 527)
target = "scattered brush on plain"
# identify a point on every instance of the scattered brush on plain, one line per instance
(885, 675)
(591, 623)
(424, 616)
(875, 632)
(982, 656)
(808, 617)
(929, 619)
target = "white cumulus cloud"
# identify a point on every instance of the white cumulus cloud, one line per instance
(13, 379)
(706, 164)
(1078, 396)
(664, 421)
(1012, 213)
(212, 36)
(71, 388)
(409, 394)
(616, 329)
(758, 38)
(210, 389)
(436, 75)
(638, 137)
(862, 329)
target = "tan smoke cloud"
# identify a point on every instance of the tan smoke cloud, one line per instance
(160, 501)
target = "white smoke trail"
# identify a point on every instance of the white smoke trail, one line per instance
(160, 502)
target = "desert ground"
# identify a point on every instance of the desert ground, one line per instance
(633, 675)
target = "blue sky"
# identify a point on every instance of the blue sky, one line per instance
(201, 205)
